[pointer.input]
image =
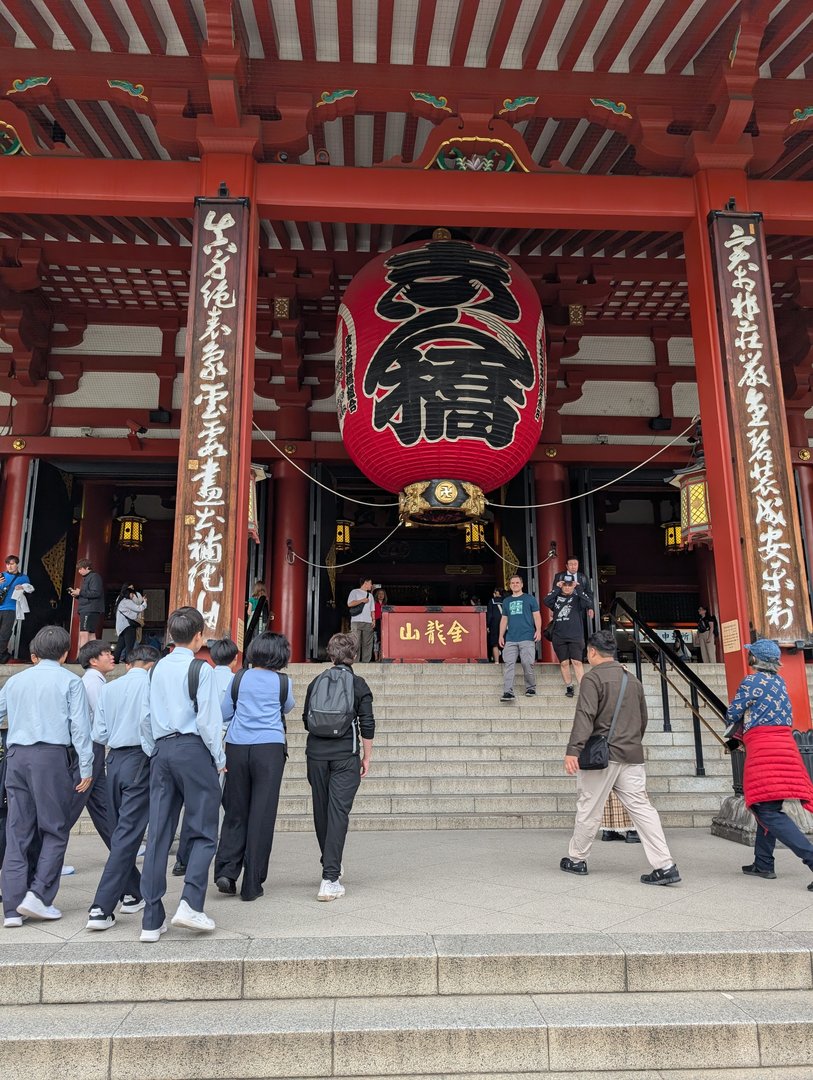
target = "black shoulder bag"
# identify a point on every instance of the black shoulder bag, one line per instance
(596, 752)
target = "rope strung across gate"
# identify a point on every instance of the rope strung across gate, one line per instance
(520, 566)
(291, 555)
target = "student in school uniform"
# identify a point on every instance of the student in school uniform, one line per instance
(223, 652)
(96, 658)
(121, 717)
(186, 745)
(47, 714)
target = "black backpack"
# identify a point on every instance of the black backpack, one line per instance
(283, 697)
(331, 704)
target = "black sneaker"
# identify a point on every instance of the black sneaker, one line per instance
(569, 691)
(530, 692)
(669, 876)
(179, 869)
(573, 866)
(97, 920)
(611, 834)
(508, 696)
(226, 885)
(632, 837)
(752, 870)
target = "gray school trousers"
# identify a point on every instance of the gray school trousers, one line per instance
(128, 800)
(182, 774)
(39, 786)
(526, 650)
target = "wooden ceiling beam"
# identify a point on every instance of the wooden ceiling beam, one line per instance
(796, 54)
(267, 28)
(424, 22)
(461, 35)
(653, 38)
(698, 32)
(307, 30)
(345, 21)
(501, 32)
(149, 27)
(539, 36)
(618, 33)
(111, 26)
(32, 23)
(188, 27)
(783, 28)
(8, 35)
(580, 30)
(70, 23)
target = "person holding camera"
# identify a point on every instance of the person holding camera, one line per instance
(361, 605)
(568, 604)
(90, 601)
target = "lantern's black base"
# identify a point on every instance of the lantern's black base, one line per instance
(440, 502)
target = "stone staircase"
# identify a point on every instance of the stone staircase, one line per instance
(449, 755)
(650, 1007)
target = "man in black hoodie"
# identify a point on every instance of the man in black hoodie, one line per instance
(337, 765)
(90, 597)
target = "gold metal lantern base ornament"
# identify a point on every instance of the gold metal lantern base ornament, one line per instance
(440, 502)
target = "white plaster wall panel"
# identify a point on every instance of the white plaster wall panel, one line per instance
(394, 137)
(5, 401)
(403, 33)
(613, 350)
(685, 400)
(324, 405)
(364, 140)
(681, 351)
(334, 141)
(255, 46)
(103, 340)
(4, 346)
(326, 30)
(602, 25)
(614, 399)
(108, 390)
(180, 342)
(512, 57)
(287, 29)
(442, 33)
(113, 433)
(326, 436)
(365, 31)
(548, 59)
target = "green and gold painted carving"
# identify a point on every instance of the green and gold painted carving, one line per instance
(19, 86)
(430, 99)
(135, 90)
(617, 107)
(512, 104)
(800, 115)
(330, 97)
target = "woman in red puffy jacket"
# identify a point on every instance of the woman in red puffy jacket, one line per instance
(774, 770)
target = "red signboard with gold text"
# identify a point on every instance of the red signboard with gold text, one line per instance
(412, 634)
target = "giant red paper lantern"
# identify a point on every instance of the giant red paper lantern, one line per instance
(440, 366)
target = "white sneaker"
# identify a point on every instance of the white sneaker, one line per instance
(130, 906)
(13, 920)
(67, 871)
(153, 935)
(192, 920)
(330, 890)
(35, 909)
(97, 920)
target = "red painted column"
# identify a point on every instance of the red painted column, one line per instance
(730, 572)
(13, 490)
(551, 484)
(289, 580)
(708, 584)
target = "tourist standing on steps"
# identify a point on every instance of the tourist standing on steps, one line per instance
(774, 770)
(90, 601)
(256, 751)
(47, 712)
(9, 580)
(339, 758)
(493, 620)
(612, 703)
(185, 742)
(568, 604)
(707, 635)
(120, 718)
(520, 629)
(361, 605)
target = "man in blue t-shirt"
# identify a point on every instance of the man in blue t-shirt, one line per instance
(9, 580)
(520, 629)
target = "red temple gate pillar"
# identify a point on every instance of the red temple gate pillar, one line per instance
(551, 485)
(289, 575)
(13, 490)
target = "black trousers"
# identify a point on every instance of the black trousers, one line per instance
(7, 620)
(250, 800)
(125, 643)
(95, 798)
(128, 793)
(334, 785)
(182, 774)
(39, 787)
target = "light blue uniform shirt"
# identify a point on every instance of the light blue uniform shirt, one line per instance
(94, 682)
(47, 704)
(223, 676)
(122, 714)
(171, 709)
(257, 718)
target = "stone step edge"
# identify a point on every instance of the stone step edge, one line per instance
(410, 965)
(390, 1036)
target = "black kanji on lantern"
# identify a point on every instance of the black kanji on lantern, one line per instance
(452, 368)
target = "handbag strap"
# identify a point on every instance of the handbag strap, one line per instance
(624, 680)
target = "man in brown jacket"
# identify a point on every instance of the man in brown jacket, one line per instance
(625, 775)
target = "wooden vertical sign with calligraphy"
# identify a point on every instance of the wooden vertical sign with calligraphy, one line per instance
(208, 519)
(772, 548)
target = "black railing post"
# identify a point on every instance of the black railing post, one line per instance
(737, 769)
(636, 641)
(699, 766)
(667, 719)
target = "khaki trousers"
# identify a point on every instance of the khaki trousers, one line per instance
(629, 784)
(708, 647)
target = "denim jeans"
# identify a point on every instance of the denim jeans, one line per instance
(774, 824)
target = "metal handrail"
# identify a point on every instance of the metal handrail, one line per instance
(697, 688)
